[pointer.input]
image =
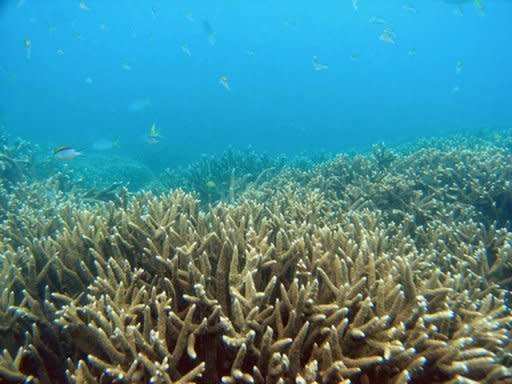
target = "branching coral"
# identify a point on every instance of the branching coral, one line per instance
(224, 177)
(298, 284)
(15, 161)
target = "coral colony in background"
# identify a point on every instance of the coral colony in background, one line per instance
(387, 267)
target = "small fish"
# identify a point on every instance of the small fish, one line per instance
(354, 57)
(224, 82)
(139, 105)
(84, 6)
(88, 80)
(412, 52)
(355, 5)
(317, 66)
(210, 33)
(153, 11)
(186, 50)
(455, 89)
(458, 67)
(210, 184)
(60, 52)
(387, 37)
(190, 17)
(154, 135)
(126, 67)
(376, 20)
(409, 8)
(103, 27)
(28, 48)
(250, 52)
(66, 153)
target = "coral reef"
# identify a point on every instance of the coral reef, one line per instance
(99, 171)
(224, 177)
(16, 161)
(388, 268)
(449, 181)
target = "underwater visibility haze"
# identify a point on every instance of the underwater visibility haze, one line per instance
(255, 192)
(301, 76)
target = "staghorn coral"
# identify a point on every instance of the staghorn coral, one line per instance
(16, 161)
(99, 172)
(223, 177)
(459, 181)
(298, 282)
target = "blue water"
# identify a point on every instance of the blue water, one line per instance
(277, 102)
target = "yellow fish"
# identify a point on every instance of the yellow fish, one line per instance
(153, 132)
(154, 135)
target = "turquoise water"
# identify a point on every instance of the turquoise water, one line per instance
(255, 192)
(109, 70)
